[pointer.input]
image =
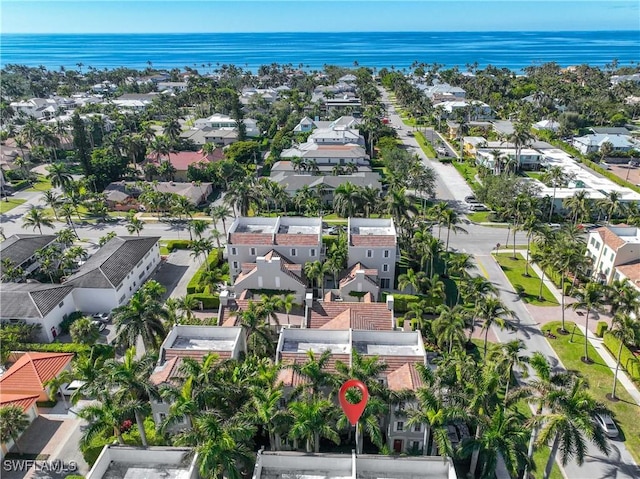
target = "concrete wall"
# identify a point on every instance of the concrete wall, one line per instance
(53, 319)
(142, 456)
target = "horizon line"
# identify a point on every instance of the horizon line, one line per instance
(318, 32)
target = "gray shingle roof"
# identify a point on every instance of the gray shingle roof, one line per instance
(111, 263)
(19, 248)
(30, 300)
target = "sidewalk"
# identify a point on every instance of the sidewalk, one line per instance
(597, 343)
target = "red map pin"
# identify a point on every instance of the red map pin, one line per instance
(353, 411)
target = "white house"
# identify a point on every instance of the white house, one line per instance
(20, 250)
(476, 110)
(529, 159)
(219, 121)
(442, 91)
(297, 239)
(592, 143)
(337, 135)
(550, 125)
(373, 242)
(128, 462)
(328, 154)
(35, 107)
(614, 247)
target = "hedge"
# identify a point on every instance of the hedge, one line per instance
(209, 301)
(401, 302)
(103, 350)
(195, 284)
(20, 185)
(627, 359)
(601, 328)
(177, 244)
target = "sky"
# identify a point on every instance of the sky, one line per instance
(219, 16)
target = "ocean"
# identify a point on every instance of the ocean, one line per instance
(205, 51)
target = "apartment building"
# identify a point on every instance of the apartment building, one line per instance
(615, 252)
(20, 250)
(195, 342)
(296, 239)
(373, 244)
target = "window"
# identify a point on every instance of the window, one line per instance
(385, 283)
(399, 426)
(417, 427)
(121, 299)
(612, 255)
(234, 251)
(369, 253)
(312, 252)
(294, 252)
(252, 251)
(235, 265)
(385, 268)
(141, 274)
(386, 253)
(593, 241)
(416, 445)
(277, 278)
(147, 255)
(162, 416)
(135, 284)
(597, 245)
(61, 304)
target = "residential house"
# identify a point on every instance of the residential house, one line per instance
(342, 313)
(359, 281)
(219, 121)
(529, 159)
(37, 303)
(615, 253)
(373, 242)
(35, 107)
(400, 351)
(633, 78)
(194, 342)
(284, 465)
(610, 130)
(442, 92)
(475, 110)
(130, 462)
(549, 125)
(336, 135)
(270, 95)
(477, 127)
(20, 250)
(295, 238)
(348, 78)
(134, 101)
(172, 86)
(181, 160)
(472, 143)
(114, 273)
(346, 102)
(592, 143)
(305, 125)
(27, 404)
(230, 304)
(124, 195)
(31, 371)
(328, 154)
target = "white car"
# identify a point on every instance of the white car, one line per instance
(605, 422)
(100, 325)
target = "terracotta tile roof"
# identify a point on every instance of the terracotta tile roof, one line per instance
(609, 238)
(168, 370)
(373, 240)
(290, 378)
(29, 373)
(182, 159)
(287, 358)
(631, 271)
(403, 378)
(251, 238)
(362, 315)
(297, 240)
(23, 401)
(396, 362)
(369, 274)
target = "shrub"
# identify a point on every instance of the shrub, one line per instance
(601, 328)
(627, 359)
(103, 350)
(196, 285)
(66, 323)
(209, 301)
(400, 322)
(178, 244)
(401, 302)
(20, 185)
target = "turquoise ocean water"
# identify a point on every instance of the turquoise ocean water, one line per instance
(514, 50)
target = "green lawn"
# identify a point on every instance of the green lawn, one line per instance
(42, 184)
(467, 171)
(427, 148)
(536, 175)
(515, 269)
(9, 205)
(626, 412)
(479, 216)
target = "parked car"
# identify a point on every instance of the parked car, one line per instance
(100, 325)
(605, 422)
(73, 386)
(470, 199)
(478, 207)
(334, 230)
(452, 432)
(101, 317)
(442, 151)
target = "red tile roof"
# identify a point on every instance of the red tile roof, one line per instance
(182, 159)
(396, 362)
(23, 401)
(168, 370)
(251, 238)
(361, 315)
(631, 271)
(611, 239)
(369, 274)
(29, 373)
(403, 378)
(373, 240)
(297, 240)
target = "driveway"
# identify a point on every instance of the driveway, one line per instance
(176, 272)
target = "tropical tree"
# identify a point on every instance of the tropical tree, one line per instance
(53, 201)
(13, 422)
(570, 424)
(315, 271)
(83, 331)
(312, 420)
(134, 225)
(59, 176)
(346, 199)
(451, 219)
(492, 311)
(556, 177)
(105, 418)
(626, 330)
(141, 318)
(448, 328)
(591, 297)
(36, 218)
(260, 337)
(411, 279)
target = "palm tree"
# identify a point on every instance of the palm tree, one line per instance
(260, 340)
(59, 176)
(311, 421)
(135, 225)
(315, 271)
(509, 357)
(187, 305)
(449, 327)
(53, 201)
(105, 418)
(578, 205)
(492, 311)
(626, 330)
(36, 218)
(131, 377)
(220, 212)
(13, 422)
(83, 331)
(67, 211)
(198, 227)
(591, 298)
(288, 303)
(570, 424)
(346, 199)
(451, 219)
(141, 317)
(623, 298)
(411, 279)
(612, 205)
(557, 177)
(314, 373)
(172, 129)
(264, 408)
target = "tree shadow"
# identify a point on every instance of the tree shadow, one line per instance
(613, 465)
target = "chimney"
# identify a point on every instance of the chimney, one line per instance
(390, 308)
(224, 298)
(308, 304)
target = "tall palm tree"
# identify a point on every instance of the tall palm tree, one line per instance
(626, 330)
(312, 420)
(612, 205)
(570, 424)
(578, 205)
(492, 311)
(53, 201)
(135, 225)
(411, 279)
(288, 303)
(220, 213)
(105, 418)
(59, 176)
(315, 271)
(36, 218)
(315, 374)
(260, 337)
(448, 328)
(557, 177)
(623, 298)
(591, 297)
(451, 219)
(13, 422)
(346, 199)
(141, 317)
(131, 377)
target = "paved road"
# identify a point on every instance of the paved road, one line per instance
(479, 242)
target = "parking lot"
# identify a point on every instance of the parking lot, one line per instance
(626, 172)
